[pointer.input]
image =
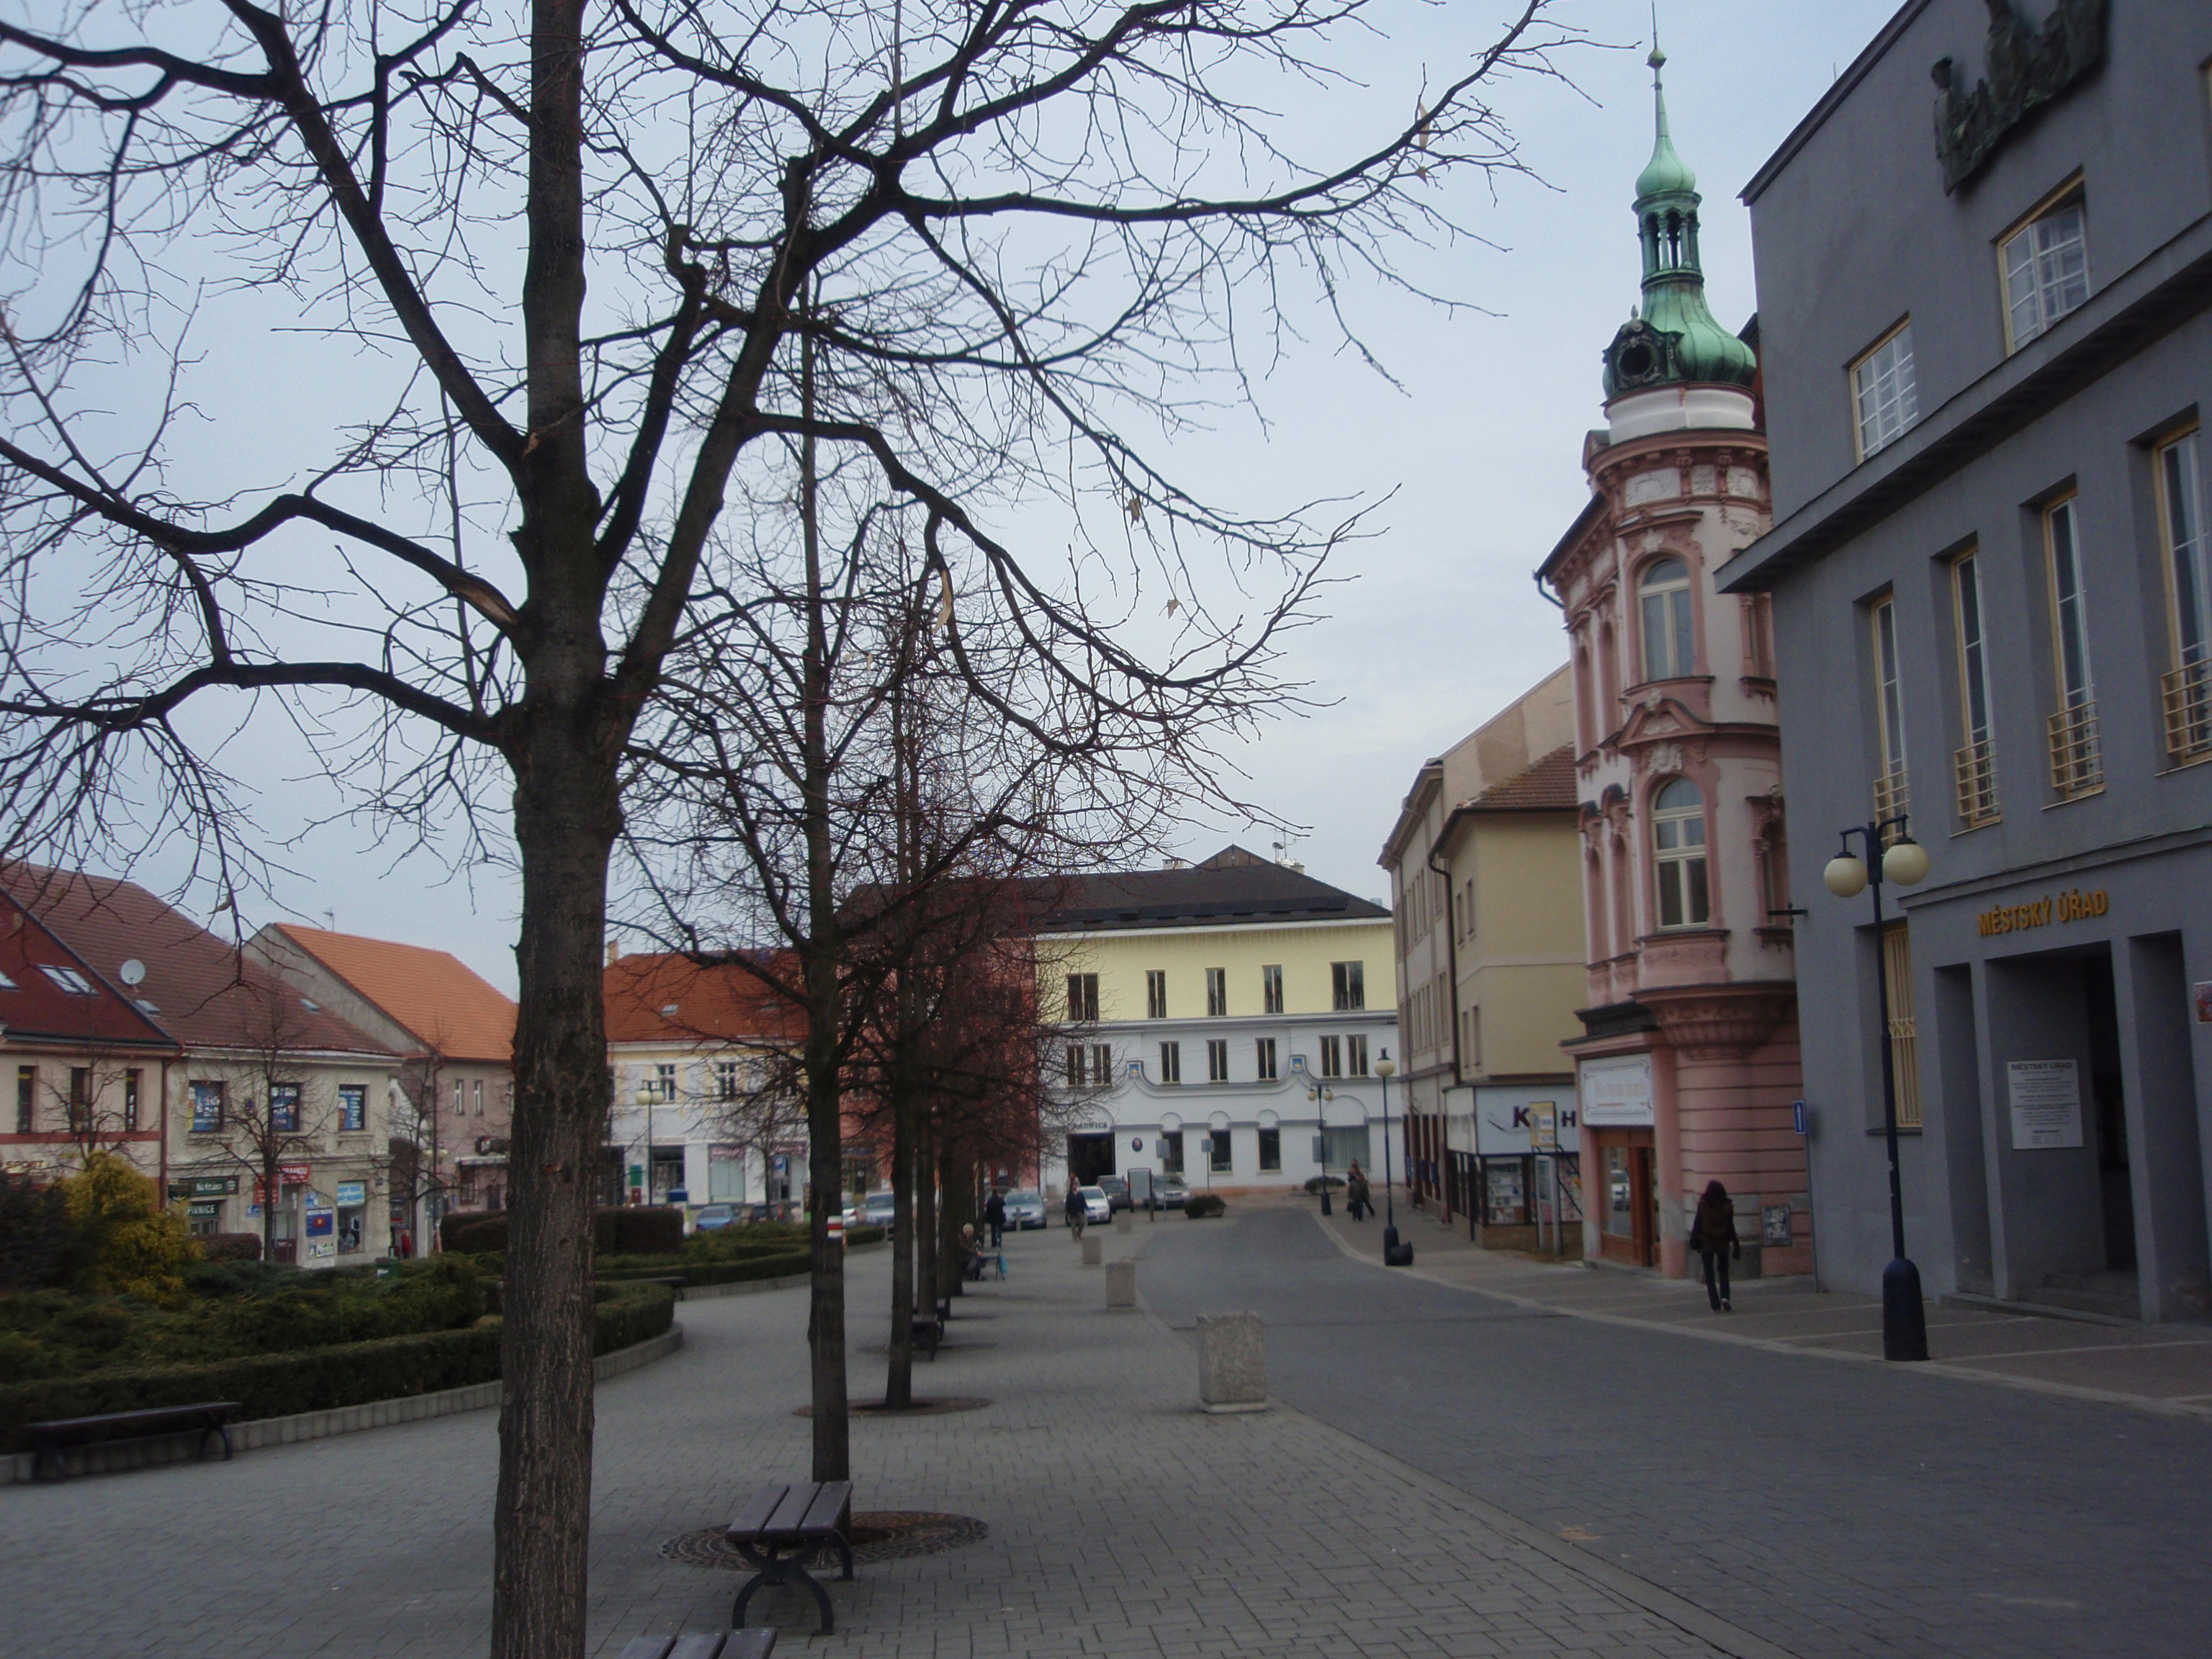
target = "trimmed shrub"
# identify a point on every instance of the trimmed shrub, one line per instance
(779, 1264)
(130, 1245)
(866, 1235)
(231, 1247)
(639, 1229)
(1199, 1206)
(473, 1232)
(319, 1379)
(1335, 1183)
(35, 1236)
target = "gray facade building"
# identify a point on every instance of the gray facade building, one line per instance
(1985, 266)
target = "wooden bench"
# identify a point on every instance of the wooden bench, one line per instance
(927, 1333)
(704, 1644)
(50, 1440)
(782, 1528)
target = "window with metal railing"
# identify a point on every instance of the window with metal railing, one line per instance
(1899, 1021)
(2185, 689)
(2077, 758)
(1890, 796)
(1975, 763)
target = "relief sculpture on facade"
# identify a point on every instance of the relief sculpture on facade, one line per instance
(2027, 67)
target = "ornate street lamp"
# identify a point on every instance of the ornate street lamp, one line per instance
(1904, 1315)
(1394, 1254)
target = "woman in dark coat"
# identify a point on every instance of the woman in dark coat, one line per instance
(1712, 1235)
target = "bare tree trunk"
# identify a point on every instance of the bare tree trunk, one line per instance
(898, 1382)
(924, 1241)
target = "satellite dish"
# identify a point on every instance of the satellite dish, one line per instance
(133, 972)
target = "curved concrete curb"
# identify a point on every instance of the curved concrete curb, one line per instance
(16, 1470)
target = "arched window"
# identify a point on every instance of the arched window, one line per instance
(1678, 852)
(1669, 650)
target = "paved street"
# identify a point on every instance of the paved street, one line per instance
(1831, 1508)
(1122, 1521)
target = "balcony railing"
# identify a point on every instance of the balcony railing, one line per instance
(1976, 766)
(1891, 797)
(2188, 696)
(2077, 754)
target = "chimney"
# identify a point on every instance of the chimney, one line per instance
(614, 949)
(1176, 864)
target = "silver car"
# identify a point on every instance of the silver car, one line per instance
(1097, 1208)
(1025, 1209)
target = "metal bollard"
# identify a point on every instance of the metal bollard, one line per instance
(1232, 1362)
(1120, 1285)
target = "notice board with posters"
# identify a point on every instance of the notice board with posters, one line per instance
(2046, 1097)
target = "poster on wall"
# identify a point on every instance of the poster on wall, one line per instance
(2204, 1001)
(1616, 1092)
(2047, 1103)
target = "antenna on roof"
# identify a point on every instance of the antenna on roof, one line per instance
(331, 919)
(133, 972)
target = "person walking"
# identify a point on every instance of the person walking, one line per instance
(1712, 1235)
(1356, 1197)
(995, 1212)
(1076, 1210)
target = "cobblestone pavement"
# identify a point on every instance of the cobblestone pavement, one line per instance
(2163, 1368)
(1123, 1521)
(1830, 1509)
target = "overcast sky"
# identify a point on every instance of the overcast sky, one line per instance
(1440, 625)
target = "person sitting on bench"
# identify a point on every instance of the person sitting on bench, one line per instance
(972, 1267)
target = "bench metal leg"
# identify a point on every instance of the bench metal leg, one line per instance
(776, 1569)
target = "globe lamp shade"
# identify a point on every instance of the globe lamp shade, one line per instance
(1905, 864)
(1846, 876)
(1386, 1066)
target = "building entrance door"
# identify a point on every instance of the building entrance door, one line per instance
(1089, 1157)
(1628, 1199)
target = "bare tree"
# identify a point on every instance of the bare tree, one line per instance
(279, 1115)
(1023, 230)
(417, 1146)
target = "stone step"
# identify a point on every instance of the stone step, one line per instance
(2112, 1304)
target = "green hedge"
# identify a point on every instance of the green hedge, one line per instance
(866, 1235)
(778, 1264)
(637, 1229)
(1199, 1206)
(319, 1379)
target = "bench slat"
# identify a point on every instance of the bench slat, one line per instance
(832, 1500)
(758, 1642)
(757, 1510)
(791, 1512)
(148, 1415)
(698, 1644)
(648, 1647)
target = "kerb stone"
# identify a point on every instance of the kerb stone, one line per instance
(1232, 1362)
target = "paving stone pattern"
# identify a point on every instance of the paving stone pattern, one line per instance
(1831, 1508)
(1122, 1521)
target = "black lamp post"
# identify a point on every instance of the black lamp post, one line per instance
(1904, 1315)
(1394, 1254)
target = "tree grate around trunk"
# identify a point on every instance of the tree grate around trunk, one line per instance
(940, 1406)
(876, 1535)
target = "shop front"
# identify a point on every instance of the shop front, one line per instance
(1513, 1167)
(1618, 1107)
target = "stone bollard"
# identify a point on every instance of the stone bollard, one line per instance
(1232, 1362)
(1122, 1219)
(1121, 1285)
(1092, 1247)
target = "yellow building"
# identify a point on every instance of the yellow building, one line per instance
(1222, 1021)
(1484, 862)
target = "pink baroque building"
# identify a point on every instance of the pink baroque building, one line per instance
(1687, 1065)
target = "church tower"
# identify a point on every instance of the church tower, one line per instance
(1687, 1067)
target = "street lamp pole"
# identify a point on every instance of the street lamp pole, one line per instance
(1904, 1313)
(1394, 1254)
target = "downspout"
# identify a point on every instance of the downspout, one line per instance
(1451, 969)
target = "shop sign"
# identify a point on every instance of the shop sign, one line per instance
(1616, 1093)
(351, 1193)
(1543, 1125)
(205, 1211)
(319, 1248)
(2072, 905)
(316, 1201)
(205, 1186)
(321, 1223)
(1774, 1226)
(2204, 1002)
(2047, 1103)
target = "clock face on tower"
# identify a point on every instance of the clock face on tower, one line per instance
(1639, 355)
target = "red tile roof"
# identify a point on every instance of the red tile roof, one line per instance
(200, 989)
(39, 1006)
(445, 1005)
(1546, 786)
(671, 999)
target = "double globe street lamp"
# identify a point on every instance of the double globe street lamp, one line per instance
(1903, 1317)
(1394, 1254)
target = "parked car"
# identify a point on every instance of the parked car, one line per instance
(1097, 1207)
(1170, 1192)
(878, 1209)
(1025, 1209)
(1116, 1188)
(713, 1218)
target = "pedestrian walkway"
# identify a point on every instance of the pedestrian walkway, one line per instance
(2166, 1367)
(1122, 1521)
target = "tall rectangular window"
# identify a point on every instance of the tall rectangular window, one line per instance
(353, 1107)
(1170, 1062)
(1156, 994)
(476, 1099)
(2187, 689)
(1102, 1063)
(1077, 1069)
(2077, 762)
(1890, 793)
(1331, 1056)
(27, 1100)
(1263, 1059)
(1082, 998)
(725, 1079)
(1976, 761)
(1355, 1055)
(1271, 989)
(131, 1080)
(1884, 392)
(1679, 869)
(1669, 637)
(80, 1099)
(1171, 1152)
(1902, 1028)
(1216, 992)
(1348, 983)
(1217, 1059)
(207, 1107)
(664, 1084)
(2046, 271)
(284, 1107)
(1218, 1146)
(1271, 1152)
